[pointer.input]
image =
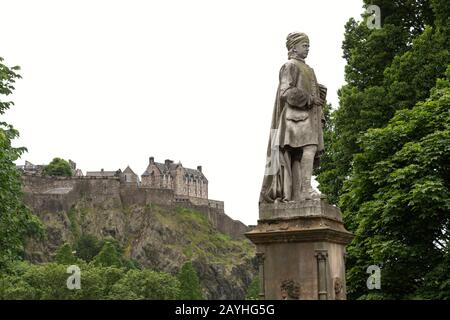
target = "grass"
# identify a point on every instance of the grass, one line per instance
(191, 215)
(74, 225)
(197, 236)
(202, 239)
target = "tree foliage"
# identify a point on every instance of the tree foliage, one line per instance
(49, 281)
(65, 255)
(397, 200)
(146, 284)
(16, 221)
(387, 69)
(190, 288)
(58, 167)
(387, 157)
(108, 276)
(87, 247)
(253, 290)
(108, 256)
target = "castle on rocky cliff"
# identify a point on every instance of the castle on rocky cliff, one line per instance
(185, 182)
(167, 183)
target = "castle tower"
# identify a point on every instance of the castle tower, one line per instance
(185, 182)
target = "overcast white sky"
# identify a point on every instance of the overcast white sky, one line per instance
(111, 83)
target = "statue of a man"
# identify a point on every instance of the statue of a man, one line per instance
(296, 140)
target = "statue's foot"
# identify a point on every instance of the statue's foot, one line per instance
(284, 200)
(315, 194)
(311, 194)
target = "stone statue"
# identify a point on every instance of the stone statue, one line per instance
(300, 238)
(296, 140)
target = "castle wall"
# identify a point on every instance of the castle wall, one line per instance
(40, 184)
(234, 228)
(142, 196)
(50, 202)
(101, 192)
(222, 222)
(57, 194)
(219, 205)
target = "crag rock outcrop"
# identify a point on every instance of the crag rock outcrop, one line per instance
(158, 236)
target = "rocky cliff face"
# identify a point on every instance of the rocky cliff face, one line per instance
(162, 237)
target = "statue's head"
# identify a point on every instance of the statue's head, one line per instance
(297, 44)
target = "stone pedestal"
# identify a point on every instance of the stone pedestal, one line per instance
(301, 250)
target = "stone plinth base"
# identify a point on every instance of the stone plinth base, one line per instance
(301, 250)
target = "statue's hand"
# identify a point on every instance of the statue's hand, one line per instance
(316, 101)
(296, 97)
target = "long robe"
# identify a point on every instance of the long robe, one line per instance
(296, 122)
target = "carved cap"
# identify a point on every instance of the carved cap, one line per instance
(295, 37)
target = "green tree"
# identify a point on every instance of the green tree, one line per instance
(87, 247)
(16, 221)
(397, 202)
(190, 284)
(58, 167)
(146, 284)
(24, 280)
(369, 167)
(65, 255)
(40, 282)
(253, 290)
(387, 69)
(108, 256)
(49, 281)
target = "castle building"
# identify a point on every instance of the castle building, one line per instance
(184, 182)
(103, 173)
(168, 184)
(169, 175)
(128, 176)
(30, 168)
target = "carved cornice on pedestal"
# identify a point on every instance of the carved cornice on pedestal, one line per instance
(303, 221)
(296, 230)
(305, 208)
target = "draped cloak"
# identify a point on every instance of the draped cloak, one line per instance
(296, 122)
